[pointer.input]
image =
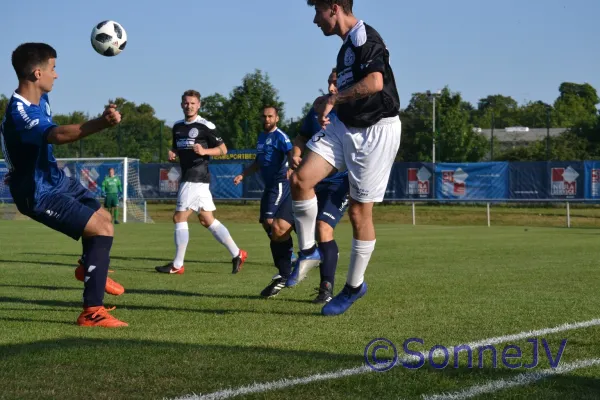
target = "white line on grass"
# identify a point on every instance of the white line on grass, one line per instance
(523, 379)
(285, 383)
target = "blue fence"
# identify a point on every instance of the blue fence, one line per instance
(489, 181)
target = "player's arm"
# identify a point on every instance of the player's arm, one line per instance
(369, 85)
(252, 168)
(295, 156)
(173, 149)
(72, 133)
(216, 145)
(104, 183)
(215, 151)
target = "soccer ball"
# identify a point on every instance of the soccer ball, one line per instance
(109, 38)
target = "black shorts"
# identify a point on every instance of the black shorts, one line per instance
(66, 210)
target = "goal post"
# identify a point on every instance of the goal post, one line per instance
(90, 172)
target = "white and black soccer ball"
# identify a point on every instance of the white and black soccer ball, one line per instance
(109, 38)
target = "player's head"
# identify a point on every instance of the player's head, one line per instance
(332, 82)
(190, 103)
(270, 118)
(35, 62)
(329, 12)
(111, 172)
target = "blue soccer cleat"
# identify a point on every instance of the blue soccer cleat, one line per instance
(340, 303)
(293, 278)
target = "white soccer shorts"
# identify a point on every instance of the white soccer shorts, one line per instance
(367, 153)
(195, 196)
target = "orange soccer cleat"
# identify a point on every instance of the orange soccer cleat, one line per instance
(99, 316)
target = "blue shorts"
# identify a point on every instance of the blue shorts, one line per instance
(333, 201)
(67, 211)
(276, 203)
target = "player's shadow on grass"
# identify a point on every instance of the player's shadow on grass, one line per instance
(45, 263)
(159, 292)
(217, 311)
(167, 368)
(161, 261)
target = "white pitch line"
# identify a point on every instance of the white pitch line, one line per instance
(523, 379)
(285, 383)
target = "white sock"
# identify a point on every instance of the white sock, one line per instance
(305, 216)
(182, 236)
(359, 259)
(222, 235)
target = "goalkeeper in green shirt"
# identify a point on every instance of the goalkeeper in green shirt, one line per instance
(111, 187)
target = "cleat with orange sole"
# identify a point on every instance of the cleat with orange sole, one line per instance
(239, 261)
(111, 286)
(99, 316)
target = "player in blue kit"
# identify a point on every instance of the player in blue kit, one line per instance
(41, 190)
(332, 201)
(273, 148)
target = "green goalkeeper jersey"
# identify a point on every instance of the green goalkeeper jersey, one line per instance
(112, 185)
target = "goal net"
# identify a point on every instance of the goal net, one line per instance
(90, 172)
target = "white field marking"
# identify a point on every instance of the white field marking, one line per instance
(523, 379)
(285, 383)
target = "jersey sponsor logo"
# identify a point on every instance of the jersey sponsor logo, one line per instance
(32, 124)
(345, 79)
(185, 143)
(21, 110)
(349, 57)
(193, 133)
(269, 141)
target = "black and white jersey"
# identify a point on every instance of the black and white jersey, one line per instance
(194, 168)
(362, 53)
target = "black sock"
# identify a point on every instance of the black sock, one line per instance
(308, 252)
(329, 253)
(352, 289)
(282, 253)
(98, 257)
(85, 244)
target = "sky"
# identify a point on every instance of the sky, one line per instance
(524, 49)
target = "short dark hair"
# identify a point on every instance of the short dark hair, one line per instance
(29, 56)
(190, 93)
(345, 4)
(273, 107)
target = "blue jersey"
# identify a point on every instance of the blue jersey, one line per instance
(311, 126)
(272, 149)
(27, 153)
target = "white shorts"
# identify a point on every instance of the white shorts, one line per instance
(195, 196)
(367, 153)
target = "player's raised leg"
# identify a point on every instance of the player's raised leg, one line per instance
(325, 155)
(98, 239)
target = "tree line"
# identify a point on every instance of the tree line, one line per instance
(144, 136)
